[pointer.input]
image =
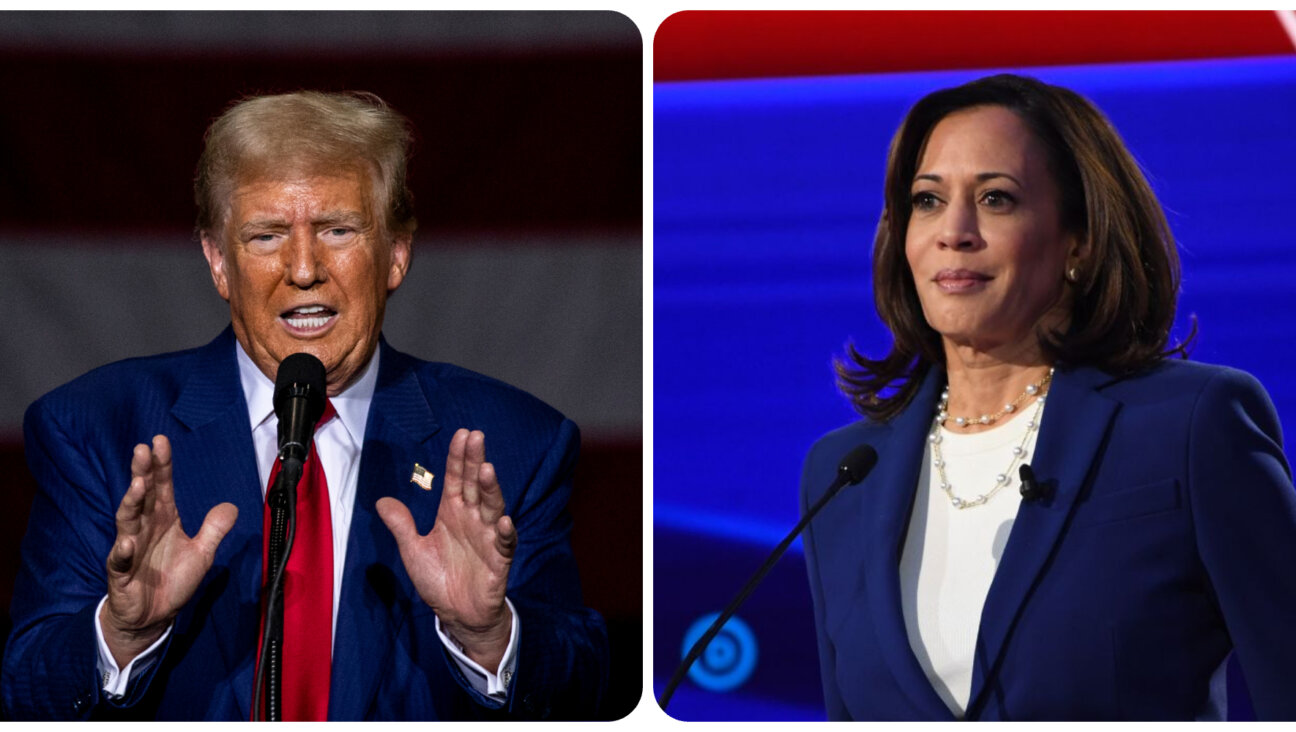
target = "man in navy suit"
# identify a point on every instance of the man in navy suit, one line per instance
(454, 590)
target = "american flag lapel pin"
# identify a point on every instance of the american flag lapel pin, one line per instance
(422, 477)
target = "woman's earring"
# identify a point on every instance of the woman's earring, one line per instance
(1073, 275)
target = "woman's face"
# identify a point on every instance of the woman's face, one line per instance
(985, 241)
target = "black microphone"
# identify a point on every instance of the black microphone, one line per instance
(299, 402)
(1030, 488)
(851, 470)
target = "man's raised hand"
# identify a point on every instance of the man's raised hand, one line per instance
(154, 567)
(460, 568)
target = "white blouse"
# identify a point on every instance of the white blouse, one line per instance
(950, 555)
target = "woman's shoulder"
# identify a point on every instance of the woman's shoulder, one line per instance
(827, 452)
(845, 438)
(1185, 371)
(1193, 393)
(1183, 379)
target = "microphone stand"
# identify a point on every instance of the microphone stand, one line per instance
(299, 400)
(852, 470)
(283, 527)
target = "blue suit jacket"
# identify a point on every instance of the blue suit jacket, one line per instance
(388, 662)
(1167, 540)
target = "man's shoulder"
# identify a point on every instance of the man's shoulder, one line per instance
(129, 383)
(455, 389)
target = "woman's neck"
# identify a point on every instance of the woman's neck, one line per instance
(983, 383)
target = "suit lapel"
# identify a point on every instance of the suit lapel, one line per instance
(1075, 423)
(214, 460)
(886, 502)
(376, 591)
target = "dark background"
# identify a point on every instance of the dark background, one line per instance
(527, 177)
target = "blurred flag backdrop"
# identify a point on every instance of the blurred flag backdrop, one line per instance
(527, 175)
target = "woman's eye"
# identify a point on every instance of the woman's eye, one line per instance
(997, 199)
(923, 201)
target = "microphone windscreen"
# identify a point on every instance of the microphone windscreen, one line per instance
(858, 463)
(1026, 474)
(298, 372)
(1030, 490)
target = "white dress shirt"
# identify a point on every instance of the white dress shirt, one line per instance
(338, 445)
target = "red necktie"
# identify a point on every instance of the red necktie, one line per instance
(308, 594)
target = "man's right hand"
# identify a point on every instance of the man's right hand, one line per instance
(154, 567)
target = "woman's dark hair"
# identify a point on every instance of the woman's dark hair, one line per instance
(1123, 303)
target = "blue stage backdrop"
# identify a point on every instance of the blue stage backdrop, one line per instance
(767, 194)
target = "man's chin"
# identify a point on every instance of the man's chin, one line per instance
(343, 363)
(268, 358)
(343, 371)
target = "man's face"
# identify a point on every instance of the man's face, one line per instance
(306, 267)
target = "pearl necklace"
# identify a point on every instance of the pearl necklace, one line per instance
(1018, 452)
(1030, 391)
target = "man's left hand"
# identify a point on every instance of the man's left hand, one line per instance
(461, 567)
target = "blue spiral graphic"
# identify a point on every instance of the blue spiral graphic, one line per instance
(730, 659)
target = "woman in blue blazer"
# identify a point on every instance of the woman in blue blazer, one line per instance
(1029, 279)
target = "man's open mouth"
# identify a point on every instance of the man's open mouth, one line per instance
(308, 317)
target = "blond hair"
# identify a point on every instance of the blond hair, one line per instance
(309, 133)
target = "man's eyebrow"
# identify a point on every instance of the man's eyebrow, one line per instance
(257, 225)
(981, 177)
(327, 218)
(352, 218)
